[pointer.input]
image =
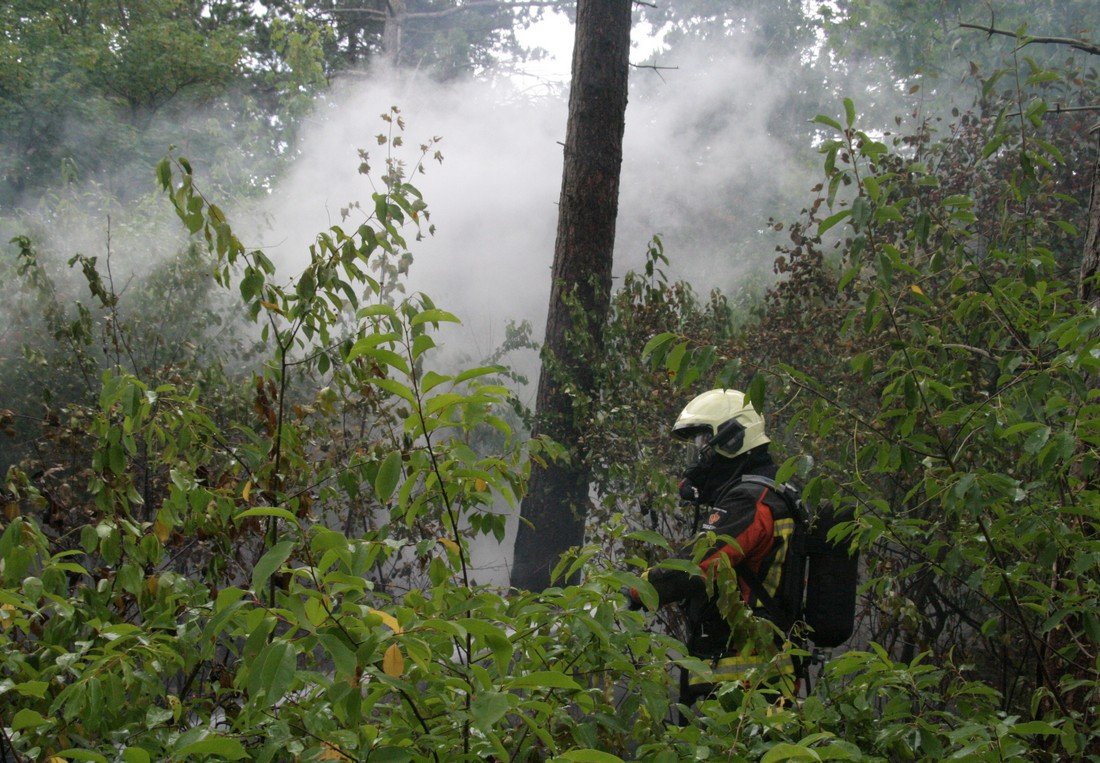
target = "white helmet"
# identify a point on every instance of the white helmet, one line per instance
(705, 414)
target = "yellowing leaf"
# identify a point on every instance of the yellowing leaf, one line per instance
(331, 753)
(7, 616)
(247, 490)
(481, 485)
(55, 759)
(151, 584)
(387, 619)
(11, 510)
(916, 290)
(393, 662)
(451, 545)
(161, 530)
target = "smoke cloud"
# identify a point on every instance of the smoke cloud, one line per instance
(700, 167)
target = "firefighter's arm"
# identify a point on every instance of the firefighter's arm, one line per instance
(748, 540)
(680, 583)
(745, 519)
(672, 584)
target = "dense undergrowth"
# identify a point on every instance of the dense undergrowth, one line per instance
(264, 553)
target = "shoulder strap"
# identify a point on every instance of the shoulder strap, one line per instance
(756, 586)
(760, 479)
(785, 491)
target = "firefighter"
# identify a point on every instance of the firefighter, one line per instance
(753, 525)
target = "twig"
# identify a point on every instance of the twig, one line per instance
(419, 717)
(1059, 109)
(1026, 39)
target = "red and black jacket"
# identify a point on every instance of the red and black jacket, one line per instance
(754, 516)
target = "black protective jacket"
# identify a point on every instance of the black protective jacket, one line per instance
(761, 523)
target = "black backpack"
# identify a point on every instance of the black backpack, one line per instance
(820, 576)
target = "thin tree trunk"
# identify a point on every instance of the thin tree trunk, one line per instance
(554, 510)
(1090, 258)
(391, 34)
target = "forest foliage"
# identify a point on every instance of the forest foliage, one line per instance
(237, 515)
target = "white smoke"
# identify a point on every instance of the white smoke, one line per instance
(698, 162)
(699, 167)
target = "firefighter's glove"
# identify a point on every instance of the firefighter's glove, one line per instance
(688, 491)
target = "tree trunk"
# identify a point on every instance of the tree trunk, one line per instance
(391, 34)
(1089, 290)
(554, 509)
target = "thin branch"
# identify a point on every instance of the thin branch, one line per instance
(1059, 109)
(472, 5)
(1084, 45)
(419, 717)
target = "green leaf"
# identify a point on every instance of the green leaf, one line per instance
(272, 671)
(543, 679)
(471, 373)
(269, 562)
(422, 344)
(991, 147)
(434, 316)
(388, 476)
(888, 213)
(27, 719)
(832, 220)
(673, 359)
(785, 751)
(588, 755)
(850, 111)
(267, 511)
(656, 343)
(489, 707)
(788, 469)
(342, 655)
(397, 388)
(432, 380)
(755, 393)
(1035, 727)
(89, 539)
(368, 345)
(821, 119)
(136, 755)
(371, 311)
(1036, 440)
(224, 747)
(164, 173)
(651, 537)
(32, 688)
(77, 754)
(846, 279)
(680, 565)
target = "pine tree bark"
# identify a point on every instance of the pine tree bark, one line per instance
(554, 510)
(1090, 257)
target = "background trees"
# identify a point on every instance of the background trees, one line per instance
(240, 508)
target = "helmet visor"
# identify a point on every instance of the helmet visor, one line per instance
(694, 444)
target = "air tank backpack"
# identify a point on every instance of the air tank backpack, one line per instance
(820, 576)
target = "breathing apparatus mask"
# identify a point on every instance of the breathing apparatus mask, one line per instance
(730, 436)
